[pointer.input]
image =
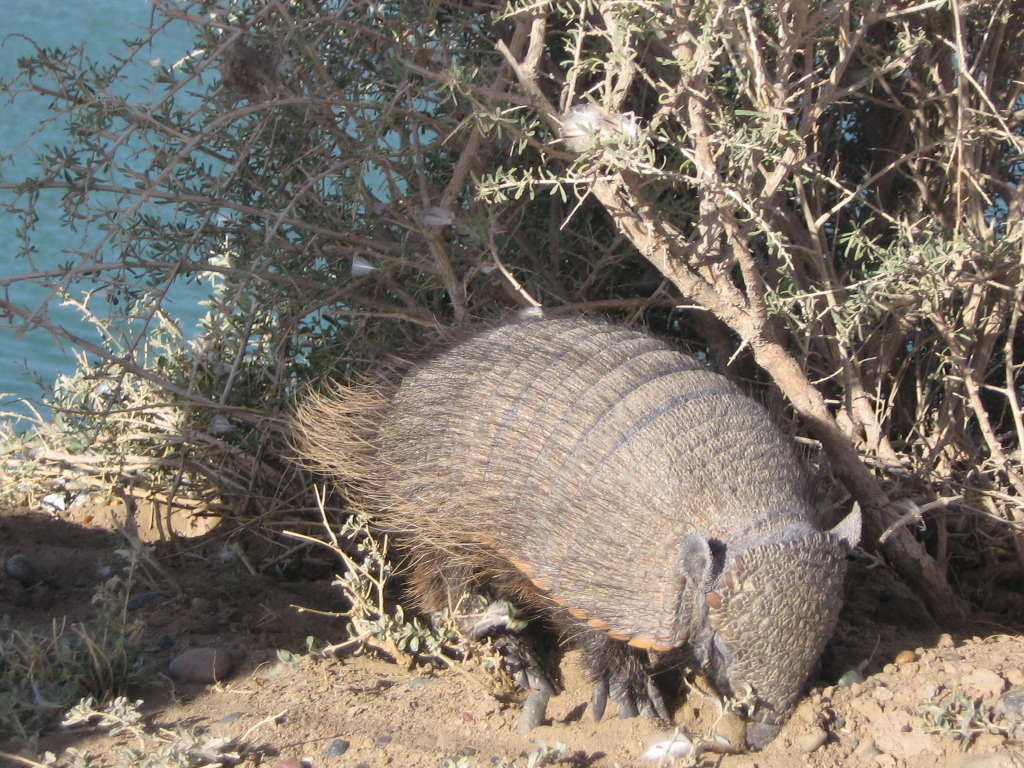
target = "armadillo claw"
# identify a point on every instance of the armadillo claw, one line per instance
(628, 697)
(656, 702)
(599, 699)
(622, 695)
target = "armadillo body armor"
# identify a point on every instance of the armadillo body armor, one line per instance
(644, 502)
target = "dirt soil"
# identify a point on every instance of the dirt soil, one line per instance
(230, 589)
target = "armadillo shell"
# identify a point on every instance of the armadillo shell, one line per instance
(583, 452)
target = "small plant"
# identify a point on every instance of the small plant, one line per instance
(153, 749)
(378, 624)
(373, 622)
(951, 712)
(43, 673)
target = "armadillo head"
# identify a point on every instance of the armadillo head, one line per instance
(771, 600)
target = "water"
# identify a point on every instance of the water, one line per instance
(101, 25)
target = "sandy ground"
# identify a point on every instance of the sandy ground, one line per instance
(367, 712)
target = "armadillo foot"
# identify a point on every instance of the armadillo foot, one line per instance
(499, 620)
(619, 673)
(519, 661)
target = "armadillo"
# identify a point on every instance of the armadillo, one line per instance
(643, 503)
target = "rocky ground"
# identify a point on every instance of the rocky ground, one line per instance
(909, 694)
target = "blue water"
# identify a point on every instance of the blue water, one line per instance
(101, 25)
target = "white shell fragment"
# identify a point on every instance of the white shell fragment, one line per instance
(436, 217)
(361, 266)
(675, 746)
(55, 501)
(583, 124)
(220, 425)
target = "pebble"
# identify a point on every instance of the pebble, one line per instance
(382, 741)
(20, 568)
(201, 665)
(1011, 704)
(337, 748)
(850, 677)
(904, 657)
(164, 641)
(144, 599)
(945, 641)
(814, 740)
(419, 682)
(534, 708)
(290, 763)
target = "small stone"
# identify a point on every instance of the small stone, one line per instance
(945, 641)
(144, 599)
(1011, 704)
(20, 569)
(200, 665)
(1014, 677)
(382, 741)
(904, 657)
(419, 682)
(290, 763)
(850, 678)
(164, 641)
(534, 708)
(337, 748)
(228, 719)
(810, 742)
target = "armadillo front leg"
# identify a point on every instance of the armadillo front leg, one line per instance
(441, 581)
(620, 673)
